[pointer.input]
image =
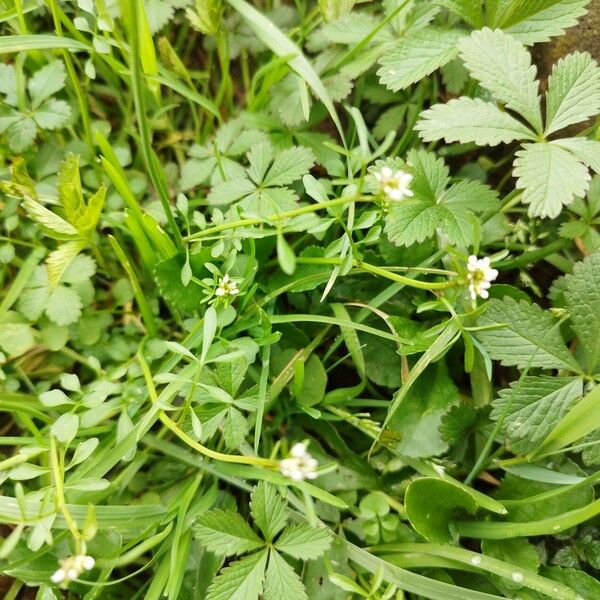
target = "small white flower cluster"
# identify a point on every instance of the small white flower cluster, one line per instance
(299, 465)
(71, 568)
(395, 185)
(480, 275)
(226, 287)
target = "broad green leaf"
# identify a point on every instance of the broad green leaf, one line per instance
(528, 336)
(418, 419)
(53, 398)
(582, 419)
(534, 21)
(8, 83)
(304, 542)
(531, 407)
(469, 10)
(315, 382)
(16, 336)
(550, 178)
(516, 552)
(433, 504)
(22, 134)
(269, 509)
(573, 91)
(63, 305)
(58, 260)
(430, 175)
(587, 151)
(52, 114)
(64, 429)
(46, 82)
(582, 295)
(70, 192)
(412, 221)
(416, 55)
(503, 66)
(281, 581)
(470, 120)
(226, 533)
(289, 166)
(241, 580)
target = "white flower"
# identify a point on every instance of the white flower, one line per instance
(226, 287)
(480, 275)
(299, 464)
(394, 184)
(71, 568)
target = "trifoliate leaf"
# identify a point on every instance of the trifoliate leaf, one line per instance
(550, 177)
(241, 580)
(531, 407)
(269, 509)
(226, 533)
(582, 295)
(471, 120)
(528, 336)
(503, 66)
(416, 55)
(46, 82)
(281, 581)
(63, 305)
(304, 542)
(573, 91)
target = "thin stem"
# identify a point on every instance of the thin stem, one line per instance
(170, 424)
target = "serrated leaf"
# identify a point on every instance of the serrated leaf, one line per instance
(304, 542)
(467, 120)
(59, 259)
(550, 178)
(63, 305)
(8, 83)
(226, 533)
(167, 275)
(531, 407)
(281, 581)
(503, 66)
(411, 221)
(80, 270)
(573, 91)
(50, 222)
(417, 54)
(269, 509)
(241, 580)
(469, 10)
(582, 296)
(53, 114)
(235, 429)
(587, 151)
(289, 166)
(46, 82)
(529, 337)
(534, 21)
(22, 134)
